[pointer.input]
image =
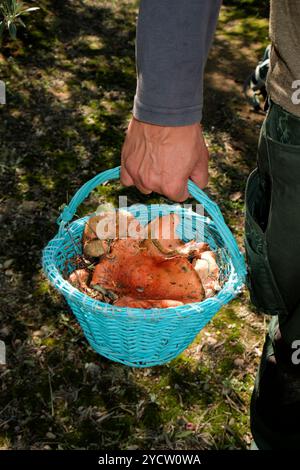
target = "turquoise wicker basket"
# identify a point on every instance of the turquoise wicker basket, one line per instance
(138, 337)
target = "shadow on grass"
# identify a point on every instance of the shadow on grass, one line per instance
(243, 8)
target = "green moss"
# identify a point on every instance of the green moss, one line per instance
(42, 288)
(5, 443)
(250, 29)
(50, 342)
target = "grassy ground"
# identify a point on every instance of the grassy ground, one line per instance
(70, 82)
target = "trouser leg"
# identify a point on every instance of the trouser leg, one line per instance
(272, 239)
(283, 230)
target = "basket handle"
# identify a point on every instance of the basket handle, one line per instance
(211, 208)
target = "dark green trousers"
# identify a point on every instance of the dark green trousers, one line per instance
(272, 242)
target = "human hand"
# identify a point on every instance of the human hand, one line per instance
(162, 159)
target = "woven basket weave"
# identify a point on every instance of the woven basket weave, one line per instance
(140, 337)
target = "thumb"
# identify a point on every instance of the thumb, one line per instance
(184, 194)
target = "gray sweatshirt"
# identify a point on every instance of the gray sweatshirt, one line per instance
(172, 44)
(173, 41)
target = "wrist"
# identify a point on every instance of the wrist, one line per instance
(165, 126)
(167, 117)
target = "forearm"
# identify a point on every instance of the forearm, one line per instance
(173, 40)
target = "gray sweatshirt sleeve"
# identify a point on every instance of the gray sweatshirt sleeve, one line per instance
(172, 44)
